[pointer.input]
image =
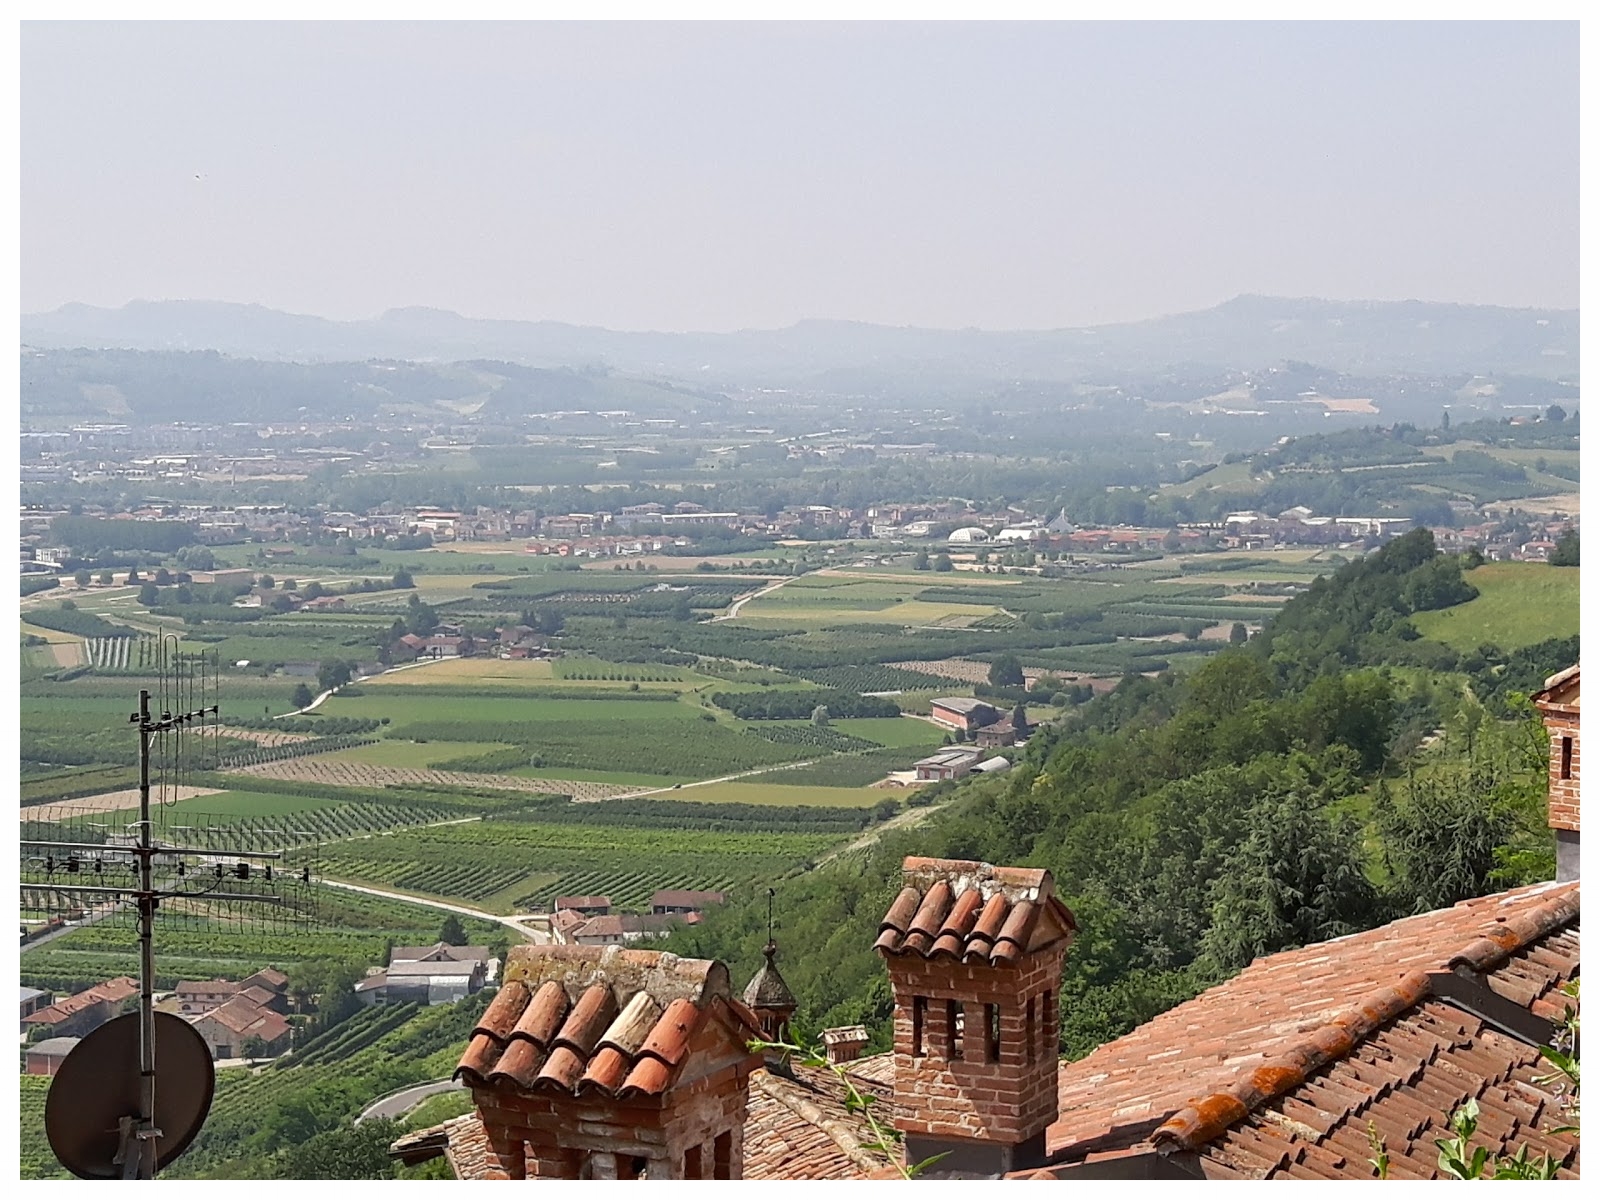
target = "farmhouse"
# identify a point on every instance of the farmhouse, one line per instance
(676, 900)
(436, 974)
(84, 1012)
(195, 998)
(960, 712)
(33, 999)
(622, 929)
(242, 1028)
(592, 906)
(953, 762)
(46, 1057)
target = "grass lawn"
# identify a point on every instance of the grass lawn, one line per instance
(1519, 604)
(469, 672)
(50, 635)
(740, 791)
(891, 731)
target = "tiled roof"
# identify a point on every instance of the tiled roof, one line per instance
(562, 902)
(973, 911)
(112, 991)
(874, 1068)
(1205, 1064)
(207, 987)
(800, 1128)
(1560, 690)
(248, 1020)
(269, 977)
(578, 1019)
(56, 1047)
(1406, 1080)
(767, 989)
(439, 952)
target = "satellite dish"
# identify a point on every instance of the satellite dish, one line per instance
(98, 1085)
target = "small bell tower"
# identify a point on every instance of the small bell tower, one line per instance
(767, 994)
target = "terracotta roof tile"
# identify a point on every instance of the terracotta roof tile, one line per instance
(543, 1016)
(1290, 1014)
(1468, 1057)
(571, 1018)
(500, 1018)
(971, 910)
(669, 1037)
(590, 1016)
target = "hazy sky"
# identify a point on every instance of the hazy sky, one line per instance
(712, 176)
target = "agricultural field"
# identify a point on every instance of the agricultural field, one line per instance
(781, 788)
(346, 926)
(1519, 604)
(506, 866)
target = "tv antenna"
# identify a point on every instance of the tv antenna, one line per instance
(71, 862)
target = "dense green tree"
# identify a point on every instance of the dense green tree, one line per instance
(348, 1151)
(332, 673)
(149, 595)
(81, 578)
(302, 696)
(451, 932)
(919, 561)
(1566, 552)
(1298, 878)
(943, 563)
(1238, 635)
(402, 579)
(1006, 671)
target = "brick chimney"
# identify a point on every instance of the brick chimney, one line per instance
(974, 957)
(845, 1043)
(1557, 703)
(604, 1063)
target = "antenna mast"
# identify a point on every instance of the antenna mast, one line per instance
(202, 873)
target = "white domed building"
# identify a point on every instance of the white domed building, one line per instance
(970, 535)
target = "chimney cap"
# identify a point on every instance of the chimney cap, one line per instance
(969, 911)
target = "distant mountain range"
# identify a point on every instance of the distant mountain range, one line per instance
(1367, 337)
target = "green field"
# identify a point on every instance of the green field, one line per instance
(773, 789)
(345, 925)
(1519, 604)
(509, 866)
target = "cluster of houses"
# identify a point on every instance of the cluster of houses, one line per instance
(639, 529)
(589, 921)
(235, 1019)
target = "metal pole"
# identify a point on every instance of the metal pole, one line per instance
(146, 1134)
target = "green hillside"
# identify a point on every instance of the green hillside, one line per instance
(1518, 604)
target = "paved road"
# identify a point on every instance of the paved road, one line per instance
(538, 937)
(733, 609)
(401, 1103)
(95, 915)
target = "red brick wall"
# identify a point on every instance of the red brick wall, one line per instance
(1563, 791)
(968, 1096)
